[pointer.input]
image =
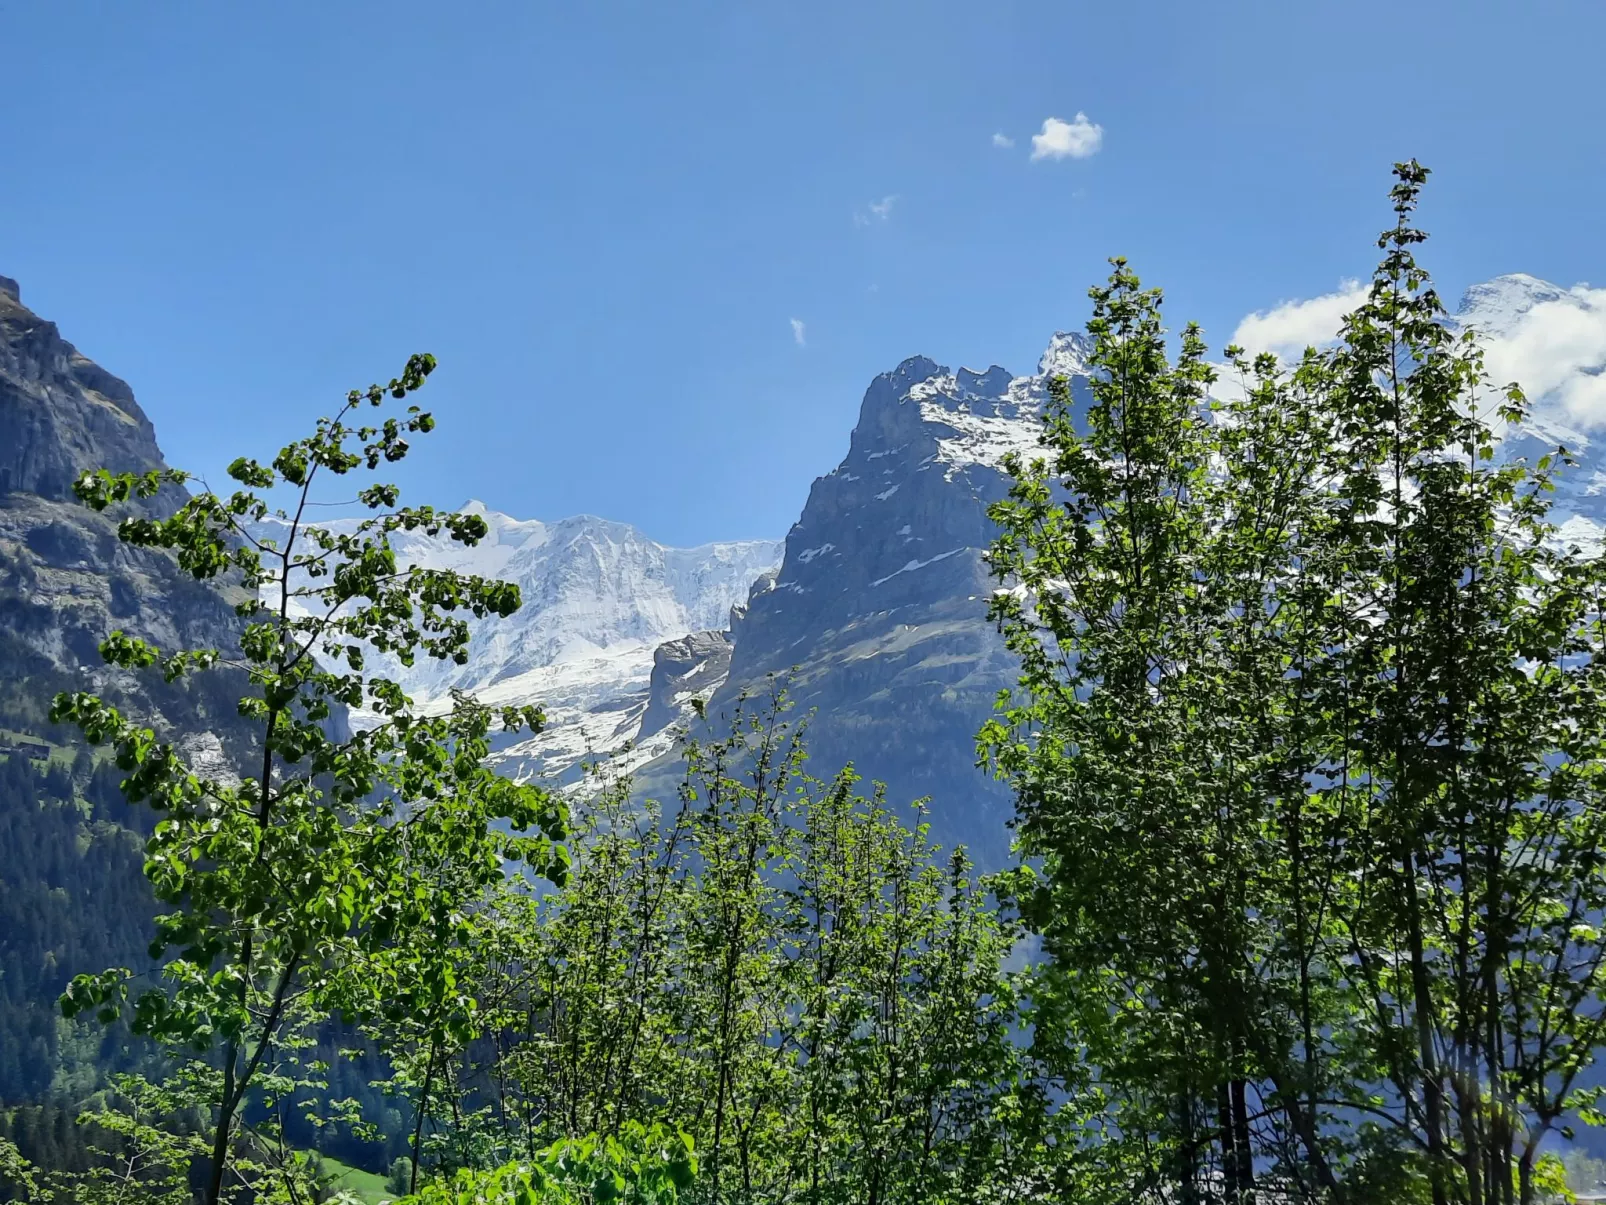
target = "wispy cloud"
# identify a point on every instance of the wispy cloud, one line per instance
(875, 211)
(798, 332)
(1003, 140)
(1074, 139)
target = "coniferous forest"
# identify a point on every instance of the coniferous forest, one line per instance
(1306, 901)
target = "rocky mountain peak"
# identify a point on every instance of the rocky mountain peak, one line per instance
(65, 578)
(1067, 355)
(877, 615)
(60, 412)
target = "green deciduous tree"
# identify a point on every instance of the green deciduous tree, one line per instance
(1309, 754)
(641, 1165)
(778, 964)
(342, 873)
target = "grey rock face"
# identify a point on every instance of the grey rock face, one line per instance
(692, 667)
(59, 411)
(65, 578)
(877, 617)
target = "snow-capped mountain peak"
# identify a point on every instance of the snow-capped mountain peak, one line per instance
(1495, 307)
(598, 598)
(1066, 356)
(1552, 341)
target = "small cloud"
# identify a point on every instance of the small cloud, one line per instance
(1074, 139)
(876, 211)
(1003, 140)
(1291, 326)
(798, 331)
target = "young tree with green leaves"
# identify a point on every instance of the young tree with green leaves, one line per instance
(340, 874)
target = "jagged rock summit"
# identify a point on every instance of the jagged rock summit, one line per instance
(877, 615)
(60, 412)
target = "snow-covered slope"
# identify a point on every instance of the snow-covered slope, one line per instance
(1552, 341)
(599, 599)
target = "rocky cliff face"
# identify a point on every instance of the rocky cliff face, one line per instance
(59, 411)
(693, 667)
(877, 616)
(65, 579)
(72, 895)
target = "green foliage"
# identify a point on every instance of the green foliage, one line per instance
(17, 1175)
(780, 966)
(144, 1148)
(1310, 755)
(641, 1165)
(343, 874)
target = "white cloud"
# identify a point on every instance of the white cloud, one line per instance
(1555, 349)
(1289, 327)
(876, 211)
(1286, 330)
(1074, 139)
(797, 331)
(1003, 140)
(1557, 352)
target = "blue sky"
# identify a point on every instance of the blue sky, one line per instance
(606, 219)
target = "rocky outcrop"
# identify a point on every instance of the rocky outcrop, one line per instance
(693, 667)
(65, 578)
(60, 412)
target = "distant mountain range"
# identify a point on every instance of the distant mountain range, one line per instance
(872, 608)
(600, 599)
